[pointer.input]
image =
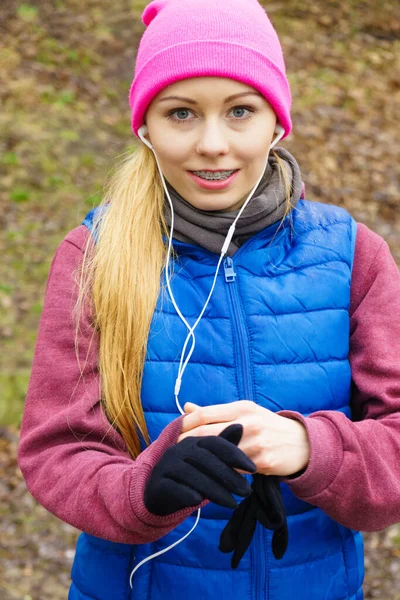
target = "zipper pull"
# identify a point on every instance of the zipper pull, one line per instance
(228, 268)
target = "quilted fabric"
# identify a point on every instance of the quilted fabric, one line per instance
(276, 331)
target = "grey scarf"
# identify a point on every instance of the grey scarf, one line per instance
(208, 228)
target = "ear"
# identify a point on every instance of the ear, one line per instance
(278, 133)
(143, 133)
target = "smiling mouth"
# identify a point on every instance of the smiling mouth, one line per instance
(214, 175)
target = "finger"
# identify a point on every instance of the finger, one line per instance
(273, 523)
(204, 430)
(280, 541)
(205, 415)
(218, 471)
(176, 496)
(247, 530)
(189, 407)
(206, 486)
(268, 491)
(229, 535)
(233, 433)
(228, 453)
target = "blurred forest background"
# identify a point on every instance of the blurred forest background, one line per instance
(65, 71)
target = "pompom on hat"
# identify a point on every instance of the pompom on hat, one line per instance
(204, 38)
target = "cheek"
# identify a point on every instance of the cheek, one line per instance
(171, 156)
(256, 151)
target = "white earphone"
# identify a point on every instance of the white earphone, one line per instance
(141, 133)
(279, 130)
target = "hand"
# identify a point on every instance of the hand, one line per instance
(277, 445)
(197, 469)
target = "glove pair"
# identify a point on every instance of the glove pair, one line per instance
(203, 468)
(197, 469)
(265, 504)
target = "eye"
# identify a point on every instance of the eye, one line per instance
(179, 111)
(178, 114)
(241, 108)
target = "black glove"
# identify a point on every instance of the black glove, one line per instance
(265, 505)
(199, 468)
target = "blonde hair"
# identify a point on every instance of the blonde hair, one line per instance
(120, 279)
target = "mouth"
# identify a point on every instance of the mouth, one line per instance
(213, 180)
(214, 175)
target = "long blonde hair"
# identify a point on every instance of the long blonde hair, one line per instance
(120, 278)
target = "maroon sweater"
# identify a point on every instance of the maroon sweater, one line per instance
(78, 467)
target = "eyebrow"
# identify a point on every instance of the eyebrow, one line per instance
(190, 101)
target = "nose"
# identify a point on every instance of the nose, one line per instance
(212, 140)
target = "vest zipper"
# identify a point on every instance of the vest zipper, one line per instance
(260, 560)
(258, 556)
(244, 358)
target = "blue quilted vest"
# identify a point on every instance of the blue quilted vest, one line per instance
(276, 331)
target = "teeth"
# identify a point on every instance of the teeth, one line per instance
(216, 175)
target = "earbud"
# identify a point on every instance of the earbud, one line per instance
(279, 130)
(141, 133)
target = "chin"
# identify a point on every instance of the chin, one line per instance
(217, 202)
(214, 205)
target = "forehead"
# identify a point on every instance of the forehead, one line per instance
(198, 88)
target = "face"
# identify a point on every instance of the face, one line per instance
(196, 125)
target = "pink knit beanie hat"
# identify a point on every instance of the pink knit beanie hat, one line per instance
(199, 38)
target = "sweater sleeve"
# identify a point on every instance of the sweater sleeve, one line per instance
(74, 463)
(354, 468)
